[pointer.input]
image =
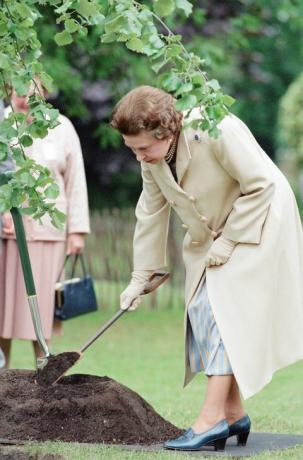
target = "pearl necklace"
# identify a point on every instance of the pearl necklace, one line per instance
(172, 150)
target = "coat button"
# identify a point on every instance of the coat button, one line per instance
(192, 198)
(203, 218)
(214, 234)
(185, 226)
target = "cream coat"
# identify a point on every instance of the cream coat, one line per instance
(60, 152)
(230, 186)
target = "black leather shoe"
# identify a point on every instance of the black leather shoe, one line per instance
(217, 436)
(241, 429)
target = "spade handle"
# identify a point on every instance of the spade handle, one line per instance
(155, 280)
(28, 279)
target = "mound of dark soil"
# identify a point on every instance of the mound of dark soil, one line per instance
(82, 408)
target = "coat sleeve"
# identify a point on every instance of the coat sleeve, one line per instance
(240, 155)
(75, 184)
(150, 237)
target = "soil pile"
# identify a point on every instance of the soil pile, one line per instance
(79, 408)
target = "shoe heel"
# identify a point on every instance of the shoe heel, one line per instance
(220, 444)
(242, 438)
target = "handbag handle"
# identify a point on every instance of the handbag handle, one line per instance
(76, 258)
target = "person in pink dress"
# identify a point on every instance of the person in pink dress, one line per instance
(60, 152)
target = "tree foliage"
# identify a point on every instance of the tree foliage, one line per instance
(243, 44)
(130, 22)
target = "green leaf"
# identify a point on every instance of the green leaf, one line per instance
(164, 7)
(26, 179)
(57, 218)
(174, 50)
(87, 9)
(3, 207)
(18, 156)
(47, 81)
(63, 8)
(4, 61)
(158, 66)
(170, 81)
(214, 132)
(63, 38)
(198, 79)
(185, 88)
(27, 211)
(97, 19)
(23, 10)
(186, 102)
(184, 5)
(38, 130)
(3, 28)
(228, 100)
(115, 24)
(26, 23)
(21, 85)
(135, 44)
(71, 25)
(26, 140)
(52, 191)
(214, 84)
(155, 41)
(37, 67)
(108, 38)
(198, 92)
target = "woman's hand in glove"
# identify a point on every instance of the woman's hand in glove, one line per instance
(219, 252)
(131, 295)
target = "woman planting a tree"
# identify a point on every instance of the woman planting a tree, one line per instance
(242, 252)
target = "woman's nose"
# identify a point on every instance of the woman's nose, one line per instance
(140, 156)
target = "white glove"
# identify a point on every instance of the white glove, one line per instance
(131, 295)
(220, 251)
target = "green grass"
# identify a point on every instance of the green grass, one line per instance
(144, 351)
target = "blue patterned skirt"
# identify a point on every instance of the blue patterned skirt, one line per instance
(205, 346)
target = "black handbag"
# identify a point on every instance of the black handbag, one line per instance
(75, 296)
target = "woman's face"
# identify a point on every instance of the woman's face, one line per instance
(19, 103)
(146, 147)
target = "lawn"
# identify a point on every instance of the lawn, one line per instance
(144, 351)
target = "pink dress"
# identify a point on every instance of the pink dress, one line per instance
(46, 260)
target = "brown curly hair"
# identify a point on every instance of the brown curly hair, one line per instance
(147, 108)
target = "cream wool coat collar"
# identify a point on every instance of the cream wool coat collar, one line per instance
(183, 158)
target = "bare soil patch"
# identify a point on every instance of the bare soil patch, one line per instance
(79, 408)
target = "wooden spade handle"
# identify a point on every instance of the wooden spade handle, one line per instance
(155, 280)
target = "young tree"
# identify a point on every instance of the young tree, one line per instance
(140, 27)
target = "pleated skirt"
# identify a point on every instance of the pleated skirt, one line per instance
(46, 259)
(206, 348)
